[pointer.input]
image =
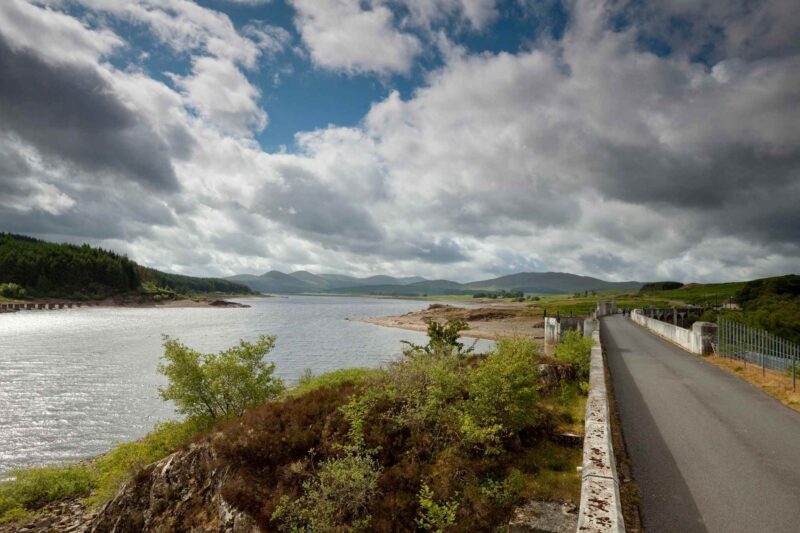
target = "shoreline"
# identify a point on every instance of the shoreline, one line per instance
(60, 304)
(488, 322)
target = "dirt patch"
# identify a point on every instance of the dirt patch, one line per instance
(491, 322)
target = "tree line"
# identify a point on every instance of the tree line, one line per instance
(45, 269)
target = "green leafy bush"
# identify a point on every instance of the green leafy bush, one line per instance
(12, 290)
(442, 338)
(219, 385)
(576, 349)
(434, 515)
(337, 378)
(337, 498)
(503, 393)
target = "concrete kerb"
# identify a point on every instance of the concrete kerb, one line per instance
(601, 507)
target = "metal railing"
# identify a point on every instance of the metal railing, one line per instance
(757, 346)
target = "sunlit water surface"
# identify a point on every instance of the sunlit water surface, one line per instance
(75, 382)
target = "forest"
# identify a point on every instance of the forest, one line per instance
(50, 270)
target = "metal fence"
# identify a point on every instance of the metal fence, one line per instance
(753, 345)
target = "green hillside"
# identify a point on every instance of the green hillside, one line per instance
(50, 270)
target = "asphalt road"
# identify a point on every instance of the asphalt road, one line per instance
(709, 451)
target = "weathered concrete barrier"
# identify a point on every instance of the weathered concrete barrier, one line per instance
(554, 327)
(605, 308)
(698, 340)
(601, 507)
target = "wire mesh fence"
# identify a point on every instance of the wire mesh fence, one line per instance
(757, 346)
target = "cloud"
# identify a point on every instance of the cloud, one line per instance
(68, 112)
(589, 153)
(223, 95)
(343, 35)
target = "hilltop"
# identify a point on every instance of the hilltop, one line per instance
(526, 282)
(40, 269)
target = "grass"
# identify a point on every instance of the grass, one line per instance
(335, 379)
(96, 480)
(567, 405)
(776, 384)
(555, 476)
(33, 488)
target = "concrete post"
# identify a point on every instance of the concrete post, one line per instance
(552, 331)
(590, 325)
(705, 334)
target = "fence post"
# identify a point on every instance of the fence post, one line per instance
(794, 367)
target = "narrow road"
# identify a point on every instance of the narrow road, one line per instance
(709, 451)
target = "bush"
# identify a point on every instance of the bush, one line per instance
(576, 349)
(443, 338)
(35, 487)
(661, 286)
(308, 382)
(337, 498)
(219, 385)
(433, 515)
(12, 290)
(503, 393)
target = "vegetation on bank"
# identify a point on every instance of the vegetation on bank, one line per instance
(772, 304)
(38, 269)
(440, 440)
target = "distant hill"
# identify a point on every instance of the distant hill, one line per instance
(529, 282)
(46, 269)
(550, 282)
(304, 282)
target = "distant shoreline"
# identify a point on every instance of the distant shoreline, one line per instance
(487, 322)
(59, 304)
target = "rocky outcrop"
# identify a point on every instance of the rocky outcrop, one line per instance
(179, 493)
(553, 373)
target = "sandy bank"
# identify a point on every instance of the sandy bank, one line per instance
(489, 322)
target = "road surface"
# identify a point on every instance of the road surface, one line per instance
(709, 451)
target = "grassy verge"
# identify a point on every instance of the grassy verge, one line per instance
(776, 384)
(98, 479)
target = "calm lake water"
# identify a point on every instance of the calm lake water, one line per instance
(75, 382)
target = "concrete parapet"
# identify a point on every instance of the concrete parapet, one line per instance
(601, 507)
(698, 340)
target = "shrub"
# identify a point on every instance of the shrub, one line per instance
(505, 491)
(35, 487)
(661, 286)
(339, 496)
(503, 391)
(434, 515)
(443, 338)
(219, 385)
(576, 349)
(308, 382)
(12, 290)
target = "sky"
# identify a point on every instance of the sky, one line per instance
(458, 139)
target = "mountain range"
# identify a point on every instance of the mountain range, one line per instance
(528, 282)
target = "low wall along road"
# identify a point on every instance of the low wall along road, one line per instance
(699, 339)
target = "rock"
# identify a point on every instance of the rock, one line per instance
(544, 517)
(553, 374)
(181, 492)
